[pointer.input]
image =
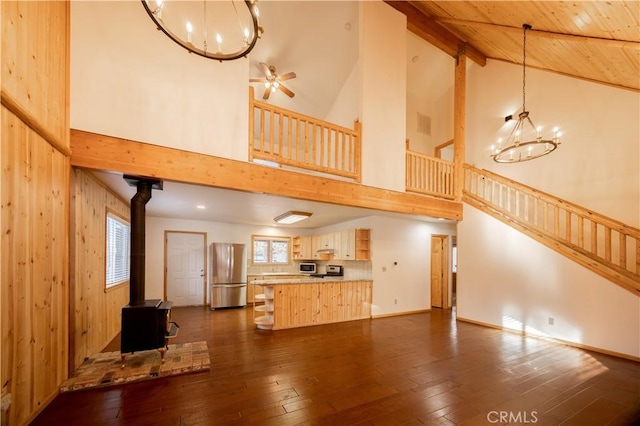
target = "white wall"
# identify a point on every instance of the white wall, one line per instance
(508, 279)
(429, 92)
(383, 95)
(216, 232)
(597, 164)
(345, 110)
(128, 80)
(401, 263)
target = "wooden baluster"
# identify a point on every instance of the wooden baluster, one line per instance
(580, 232)
(281, 135)
(623, 250)
(607, 243)
(594, 237)
(637, 256)
(290, 137)
(322, 150)
(342, 147)
(262, 115)
(271, 131)
(305, 146)
(556, 221)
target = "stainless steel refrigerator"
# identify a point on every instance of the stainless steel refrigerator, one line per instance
(228, 279)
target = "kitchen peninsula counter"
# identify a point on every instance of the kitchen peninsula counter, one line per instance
(302, 302)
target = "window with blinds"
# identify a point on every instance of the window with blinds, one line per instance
(118, 234)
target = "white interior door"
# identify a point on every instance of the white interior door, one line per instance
(185, 262)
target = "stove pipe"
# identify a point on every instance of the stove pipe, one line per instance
(137, 241)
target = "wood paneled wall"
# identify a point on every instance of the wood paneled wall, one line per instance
(35, 204)
(96, 313)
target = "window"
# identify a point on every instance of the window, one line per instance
(270, 250)
(118, 234)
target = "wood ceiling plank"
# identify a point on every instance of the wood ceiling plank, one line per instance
(591, 40)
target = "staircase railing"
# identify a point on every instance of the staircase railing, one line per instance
(429, 175)
(288, 138)
(604, 245)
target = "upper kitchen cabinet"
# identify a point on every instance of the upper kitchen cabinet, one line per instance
(350, 244)
(363, 244)
(302, 248)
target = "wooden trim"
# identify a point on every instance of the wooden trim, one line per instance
(437, 150)
(99, 152)
(551, 339)
(427, 28)
(397, 314)
(574, 208)
(33, 123)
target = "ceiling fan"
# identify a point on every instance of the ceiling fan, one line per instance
(273, 81)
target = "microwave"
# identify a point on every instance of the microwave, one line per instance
(307, 268)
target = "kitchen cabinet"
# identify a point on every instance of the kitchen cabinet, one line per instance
(265, 320)
(350, 244)
(363, 244)
(302, 248)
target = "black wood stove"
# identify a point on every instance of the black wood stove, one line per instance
(146, 324)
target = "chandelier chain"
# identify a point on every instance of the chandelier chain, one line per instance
(204, 5)
(524, 66)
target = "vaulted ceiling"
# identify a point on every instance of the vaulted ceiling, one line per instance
(594, 40)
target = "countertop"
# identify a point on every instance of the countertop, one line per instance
(308, 280)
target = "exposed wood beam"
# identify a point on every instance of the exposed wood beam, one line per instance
(626, 44)
(426, 27)
(99, 152)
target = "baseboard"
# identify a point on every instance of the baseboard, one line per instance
(396, 314)
(553, 339)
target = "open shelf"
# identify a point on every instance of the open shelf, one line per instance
(264, 322)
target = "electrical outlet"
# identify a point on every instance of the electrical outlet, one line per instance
(395, 301)
(551, 320)
(384, 269)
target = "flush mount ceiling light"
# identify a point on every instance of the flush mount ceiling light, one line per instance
(291, 217)
(525, 140)
(221, 30)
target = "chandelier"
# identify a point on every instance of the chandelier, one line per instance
(221, 30)
(525, 140)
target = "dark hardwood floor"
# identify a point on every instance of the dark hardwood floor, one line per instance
(404, 370)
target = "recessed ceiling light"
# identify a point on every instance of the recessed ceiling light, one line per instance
(201, 207)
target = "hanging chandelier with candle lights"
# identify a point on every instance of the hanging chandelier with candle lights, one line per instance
(219, 29)
(525, 141)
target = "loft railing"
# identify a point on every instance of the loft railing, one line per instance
(296, 140)
(429, 175)
(604, 245)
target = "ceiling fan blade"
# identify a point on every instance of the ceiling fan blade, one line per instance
(287, 76)
(267, 92)
(257, 80)
(286, 91)
(265, 68)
